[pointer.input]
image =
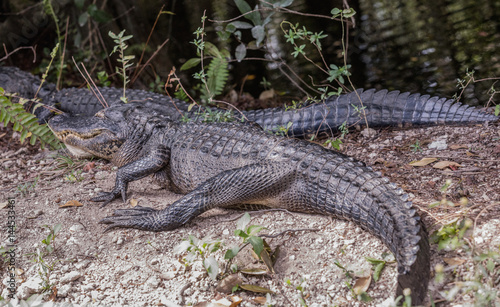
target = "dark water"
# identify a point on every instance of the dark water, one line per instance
(424, 46)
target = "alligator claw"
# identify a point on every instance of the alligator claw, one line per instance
(127, 218)
(106, 197)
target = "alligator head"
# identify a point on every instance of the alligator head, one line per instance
(103, 134)
(88, 136)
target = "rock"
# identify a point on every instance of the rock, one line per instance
(71, 276)
(63, 290)
(29, 287)
(82, 264)
(439, 144)
(166, 302)
(369, 132)
(76, 228)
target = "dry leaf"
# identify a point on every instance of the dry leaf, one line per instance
(267, 94)
(254, 271)
(458, 146)
(4, 204)
(260, 300)
(3, 134)
(227, 284)
(362, 284)
(454, 261)
(71, 203)
(445, 164)
(423, 162)
(255, 288)
(133, 202)
(471, 154)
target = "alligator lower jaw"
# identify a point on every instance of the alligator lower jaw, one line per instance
(78, 152)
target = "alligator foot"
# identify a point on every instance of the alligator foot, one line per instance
(108, 197)
(128, 218)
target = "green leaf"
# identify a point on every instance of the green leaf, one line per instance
(282, 3)
(347, 13)
(79, 4)
(231, 253)
(497, 110)
(244, 8)
(212, 50)
(257, 243)
(243, 221)
(335, 12)
(240, 233)
(212, 267)
(239, 25)
(182, 247)
(254, 229)
(258, 32)
(82, 19)
(98, 15)
(241, 52)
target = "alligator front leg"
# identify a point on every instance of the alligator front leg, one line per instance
(245, 185)
(153, 162)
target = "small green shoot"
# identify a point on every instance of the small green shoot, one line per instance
(416, 147)
(125, 60)
(46, 267)
(28, 187)
(200, 250)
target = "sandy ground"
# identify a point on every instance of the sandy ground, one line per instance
(136, 268)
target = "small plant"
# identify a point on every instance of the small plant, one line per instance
(295, 105)
(416, 147)
(301, 287)
(125, 60)
(103, 78)
(336, 142)
(214, 79)
(197, 249)
(158, 85)
(450, 237)
(45, 267)
(74, 176)
(282, 130)
(248, 235)
(27, 187)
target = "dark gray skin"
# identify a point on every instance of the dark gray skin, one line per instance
(230, 164)
(381, 108)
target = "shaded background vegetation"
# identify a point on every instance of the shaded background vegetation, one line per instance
(417, 46)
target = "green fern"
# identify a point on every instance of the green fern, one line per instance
(217, 75)
(26, 123)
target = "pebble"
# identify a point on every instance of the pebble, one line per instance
(72, 276)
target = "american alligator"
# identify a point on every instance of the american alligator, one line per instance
(382, 108)
(228, 164)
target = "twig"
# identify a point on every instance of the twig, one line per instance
(58, 83)
(288, 230)
(149, 60)
(181, 293)
(103, 102)
(7, 54)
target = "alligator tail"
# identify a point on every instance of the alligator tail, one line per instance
(378, 206)
(378, 109)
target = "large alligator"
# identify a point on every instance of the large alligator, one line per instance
(381, 108)
(230, 164)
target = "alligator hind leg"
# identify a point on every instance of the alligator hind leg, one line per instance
(153, 162)
(254, 183)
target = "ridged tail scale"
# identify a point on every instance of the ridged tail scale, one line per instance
(382, 108)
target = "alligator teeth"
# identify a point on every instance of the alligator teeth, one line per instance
(64, 134)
